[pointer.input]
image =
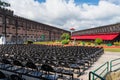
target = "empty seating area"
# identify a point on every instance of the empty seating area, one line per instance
(46, 62)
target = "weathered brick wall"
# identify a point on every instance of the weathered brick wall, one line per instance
(26, 29)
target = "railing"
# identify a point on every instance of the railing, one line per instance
(99, 77)
(100, 73)
(114, 64)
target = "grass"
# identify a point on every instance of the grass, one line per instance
(112, 49)
(43, 42)
(56, 42)
(48, 43)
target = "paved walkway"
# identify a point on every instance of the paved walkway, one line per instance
(107, 56)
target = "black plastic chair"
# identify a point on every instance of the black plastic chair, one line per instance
(16, 77)
(33, 69)
(31, 65)
(2, 76)
(16, 65)
(24, 69)
(66, 70)
(5, 64)
(47, 75)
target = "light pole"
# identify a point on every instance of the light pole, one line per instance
(72, 29)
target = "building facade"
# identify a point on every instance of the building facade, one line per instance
(19, 29)
(109, 33)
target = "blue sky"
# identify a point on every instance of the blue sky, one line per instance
(80, 14)
(95, 2)
(86, 1)
(41, 0)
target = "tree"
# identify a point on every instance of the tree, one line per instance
(98, 41)
(65, 36)
(4, 4)
(65, 41)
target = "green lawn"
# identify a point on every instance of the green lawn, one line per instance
(112, 49)
(43, 42)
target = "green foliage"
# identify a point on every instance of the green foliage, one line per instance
(98, 41)
(81, 43)
(116, 43)
(4, 4)
(65, 36)
(65, 41)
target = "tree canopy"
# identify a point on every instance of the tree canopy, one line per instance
(98, 40)
(65, 36)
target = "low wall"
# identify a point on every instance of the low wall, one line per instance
(115, 75)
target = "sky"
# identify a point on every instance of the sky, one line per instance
(66, 14)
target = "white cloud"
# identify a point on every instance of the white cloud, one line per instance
(114, 1)
(65, 15)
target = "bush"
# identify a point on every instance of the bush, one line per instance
(98, 41)
(83, 43)
(116, 43)
(65, 36)
(65, 41)
(29, 42)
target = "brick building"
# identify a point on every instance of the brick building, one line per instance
(108, 33)
(19, 29)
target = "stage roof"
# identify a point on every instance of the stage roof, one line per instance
(94, 36)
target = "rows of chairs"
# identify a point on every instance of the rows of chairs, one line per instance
(48, 62)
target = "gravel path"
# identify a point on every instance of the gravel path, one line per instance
(107, 56)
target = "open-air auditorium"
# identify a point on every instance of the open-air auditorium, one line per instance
(45, 62)
(19, 61)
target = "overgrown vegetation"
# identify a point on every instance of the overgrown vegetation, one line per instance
(65, 41)
(98, 41)
(65, 38)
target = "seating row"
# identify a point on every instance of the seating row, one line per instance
(48, 62)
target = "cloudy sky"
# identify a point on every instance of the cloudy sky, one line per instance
(65, 14)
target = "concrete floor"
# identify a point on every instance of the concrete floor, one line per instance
(107, 56)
